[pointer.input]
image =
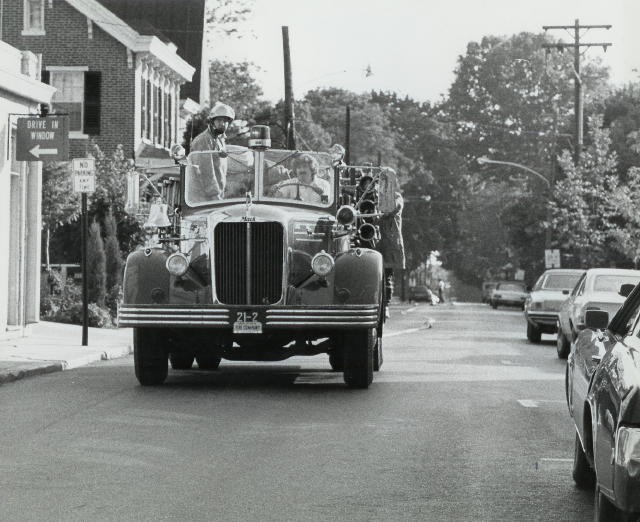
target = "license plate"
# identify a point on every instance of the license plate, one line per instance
(246, 323)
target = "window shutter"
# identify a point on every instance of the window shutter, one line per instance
(92, 86)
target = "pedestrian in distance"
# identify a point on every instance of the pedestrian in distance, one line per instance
(441, 286)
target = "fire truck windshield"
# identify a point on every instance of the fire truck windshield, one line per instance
(292, 176)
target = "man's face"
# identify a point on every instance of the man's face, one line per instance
(220, 124)
(305, 174)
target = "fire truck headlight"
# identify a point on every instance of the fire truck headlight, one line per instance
(177, 264)
(322, 263)
(346, 215)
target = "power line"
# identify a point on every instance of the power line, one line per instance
(576, 45)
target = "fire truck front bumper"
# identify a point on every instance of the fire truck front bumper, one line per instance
(253, 318)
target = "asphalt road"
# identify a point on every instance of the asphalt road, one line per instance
(466, 421)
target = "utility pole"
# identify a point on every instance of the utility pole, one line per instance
(289, 116)
(577, 80)
(347, 136)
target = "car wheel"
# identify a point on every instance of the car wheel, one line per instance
(181, 360)
(581, 472)
(377, 355)
(533, 333)
(563, 346)
(358, 359)
(149, 356)
(605, 511)
(493, 304)
(208, 360)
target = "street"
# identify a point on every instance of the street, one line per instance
(465, 421)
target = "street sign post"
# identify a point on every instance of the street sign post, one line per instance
(552, 258)
(84, 181)
(42, 139)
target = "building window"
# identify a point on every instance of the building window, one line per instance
(157, 108)
(69, 98)
(143, 107)
(33, 17)
(147, 130)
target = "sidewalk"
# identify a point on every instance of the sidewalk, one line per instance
(53, 347)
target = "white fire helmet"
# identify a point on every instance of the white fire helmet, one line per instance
(221, 110)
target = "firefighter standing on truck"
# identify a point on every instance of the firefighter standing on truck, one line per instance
(391, 244)
(213, 167)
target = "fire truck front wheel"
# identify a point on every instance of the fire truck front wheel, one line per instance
(358, 360)
(150, 356)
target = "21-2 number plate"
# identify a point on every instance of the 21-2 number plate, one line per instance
(247, 323)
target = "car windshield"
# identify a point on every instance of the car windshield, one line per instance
(510, 287)
(291, 176)
(612, 282)
(560, 281)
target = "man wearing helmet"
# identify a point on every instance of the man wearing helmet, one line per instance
(212, 177)
(306, 185)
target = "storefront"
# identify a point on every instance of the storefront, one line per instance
(21, 93)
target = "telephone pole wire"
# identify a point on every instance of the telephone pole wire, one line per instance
(577, 80)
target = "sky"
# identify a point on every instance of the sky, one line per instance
(411, 47)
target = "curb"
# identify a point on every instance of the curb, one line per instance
(21, 369)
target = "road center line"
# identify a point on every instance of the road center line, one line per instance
(530, 403)
(401, 332)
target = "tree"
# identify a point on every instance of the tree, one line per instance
(60, 203)
(224, 16)
(370, 130)
(96, 264)
(622, 118)
(586, 206)
(112, 252)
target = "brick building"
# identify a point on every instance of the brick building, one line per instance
(119, 84)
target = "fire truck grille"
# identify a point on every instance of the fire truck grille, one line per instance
(248, 262)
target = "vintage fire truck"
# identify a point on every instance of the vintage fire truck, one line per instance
(261, 265)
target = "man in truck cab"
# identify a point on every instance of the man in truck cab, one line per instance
(306, 185)
(212, 175)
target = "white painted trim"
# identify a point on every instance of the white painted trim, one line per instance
(26, 87)
(67, 68)
(78, 135)
(33, 32)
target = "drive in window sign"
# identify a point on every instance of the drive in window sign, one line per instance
(42, 138)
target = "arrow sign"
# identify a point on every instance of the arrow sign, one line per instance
(37, 151)
(42, 139)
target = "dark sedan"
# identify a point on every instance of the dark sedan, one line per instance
(603, 395)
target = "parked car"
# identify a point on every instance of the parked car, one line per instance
(603, 396)
(597, 289)
(422, 293)
(509, 293)
(487, 288)
(549, 292)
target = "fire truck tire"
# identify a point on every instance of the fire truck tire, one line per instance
(358, 360)
(181, 360)
(336, 359)
(377, 355)
(150, 356)
(208, 361)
